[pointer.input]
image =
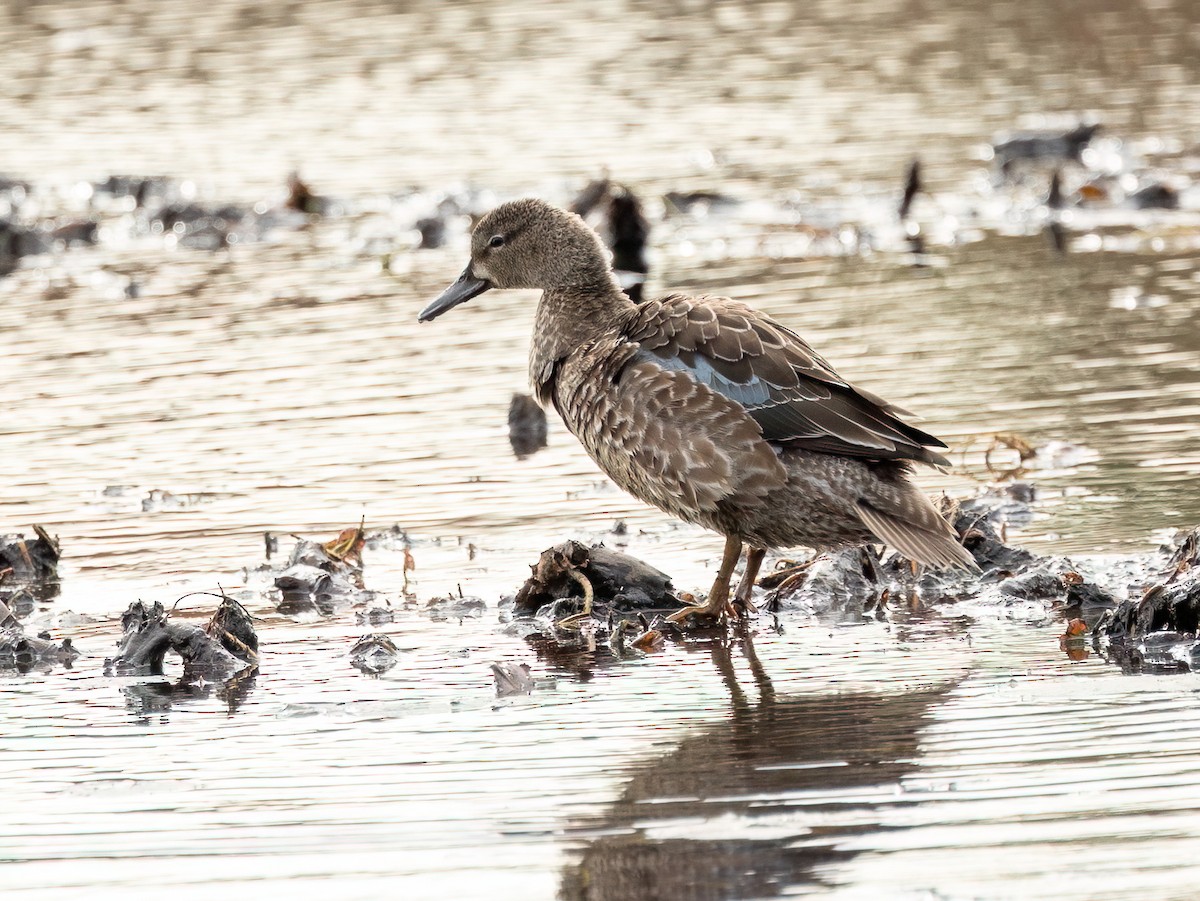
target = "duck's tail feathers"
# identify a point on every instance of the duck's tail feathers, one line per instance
(917, 530)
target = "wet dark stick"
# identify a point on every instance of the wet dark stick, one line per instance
(912, 186)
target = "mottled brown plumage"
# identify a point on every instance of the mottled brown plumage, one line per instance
(706, 408)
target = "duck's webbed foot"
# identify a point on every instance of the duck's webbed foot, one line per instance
(718, 605)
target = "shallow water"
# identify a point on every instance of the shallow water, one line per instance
(285, 386)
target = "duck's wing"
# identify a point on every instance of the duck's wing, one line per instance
(661, 435)
(783, 384)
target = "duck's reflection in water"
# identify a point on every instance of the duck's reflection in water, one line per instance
(736, 810)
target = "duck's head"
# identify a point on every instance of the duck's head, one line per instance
(527, 244)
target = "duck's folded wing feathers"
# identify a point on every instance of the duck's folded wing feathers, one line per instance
(787, 388)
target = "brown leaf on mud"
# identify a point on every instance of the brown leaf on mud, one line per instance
(347, 547)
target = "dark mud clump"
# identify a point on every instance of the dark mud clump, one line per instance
(30, 561)
(226, 645)
(613, 579)
(526, 426)
(28, 568)
(26, 653)
(1160, 631)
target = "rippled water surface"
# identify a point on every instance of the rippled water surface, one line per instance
(285, 386)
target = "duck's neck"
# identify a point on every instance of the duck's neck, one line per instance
(568, 318)
(579, 314)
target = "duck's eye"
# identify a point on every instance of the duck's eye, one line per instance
(496, 241)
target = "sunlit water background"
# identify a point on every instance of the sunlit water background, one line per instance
(286, 387)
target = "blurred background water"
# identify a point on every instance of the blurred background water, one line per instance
(166, 405)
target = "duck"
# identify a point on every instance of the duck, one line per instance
(708, 409)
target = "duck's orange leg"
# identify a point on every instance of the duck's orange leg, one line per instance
(717, 606)
(744, 595)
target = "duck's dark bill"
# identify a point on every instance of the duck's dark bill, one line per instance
(461, 291)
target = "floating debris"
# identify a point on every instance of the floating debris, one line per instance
(444, 609)
(1160, 631)
(1155, 196)
(374, 654)
(17, 242)
(324, 576)
(846, 582)
(375, 615)
(301, 198)
(1060, 146)
(637, 635)
(158, 500)
(26, 653)
(512, 679)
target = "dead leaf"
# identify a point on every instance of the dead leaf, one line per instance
(649, 641)
(1072, 641)
(1014, 442)
(347, 547)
